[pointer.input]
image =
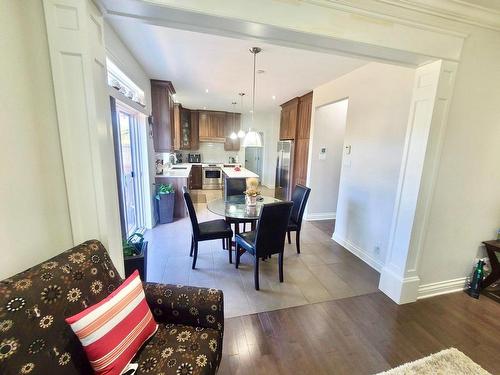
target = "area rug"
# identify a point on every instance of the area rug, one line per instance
(446, 362)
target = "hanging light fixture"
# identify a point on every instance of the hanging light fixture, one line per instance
(233, 135)
(241, 132)
(252, 138)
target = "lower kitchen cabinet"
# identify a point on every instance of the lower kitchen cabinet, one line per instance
(195, 180)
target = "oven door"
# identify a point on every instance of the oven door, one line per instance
(212, 178)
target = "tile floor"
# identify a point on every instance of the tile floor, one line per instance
(324, 270)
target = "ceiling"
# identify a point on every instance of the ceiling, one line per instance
(196, 62)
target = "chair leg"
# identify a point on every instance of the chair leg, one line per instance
(280, 266)
(195, 255)
(229, 250)
(297, 241)
(192, 247)
(256, 273)
(289, 238)
(237, 263)
(223, 243)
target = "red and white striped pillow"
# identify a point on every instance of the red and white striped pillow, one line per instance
(113, 330)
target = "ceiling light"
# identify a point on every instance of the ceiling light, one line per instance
(233, 135)
(241, 133)
(274, 97)
(204, 107)
(206, 90)
(252, 138)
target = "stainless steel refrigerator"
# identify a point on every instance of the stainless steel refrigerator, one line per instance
(284, 168)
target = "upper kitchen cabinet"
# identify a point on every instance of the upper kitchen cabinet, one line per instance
(195, 130)
(163, 115)
(304, 116)
(182, 128)
(289, 116)
(212, 126)
(233, 124)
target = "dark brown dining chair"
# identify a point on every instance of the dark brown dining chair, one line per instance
(268, 238)
(206, 231)
(299, 198)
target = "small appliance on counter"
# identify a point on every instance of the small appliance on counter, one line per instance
(232, 160)
(194, 158)
(179, 157)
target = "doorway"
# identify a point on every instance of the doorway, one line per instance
(253, 158)
(129, 162)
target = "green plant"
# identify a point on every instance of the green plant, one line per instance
(164, 189)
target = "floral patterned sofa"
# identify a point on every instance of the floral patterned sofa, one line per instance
(35, 339)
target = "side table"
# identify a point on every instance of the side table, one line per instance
(492, 247)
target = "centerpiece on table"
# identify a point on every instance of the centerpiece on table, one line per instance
(252, 192)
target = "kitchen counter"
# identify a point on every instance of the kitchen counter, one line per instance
(243, 173)
(181, 170)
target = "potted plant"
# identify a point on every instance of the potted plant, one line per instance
(166, 199)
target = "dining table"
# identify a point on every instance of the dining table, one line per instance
(237, 212)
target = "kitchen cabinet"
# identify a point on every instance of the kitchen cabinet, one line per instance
(304, 116)
(162, 105)
(233, 124)
(300, 161)
(212, 126)
(182, 128)
(195, 179)
(177, 126)
(288, 121)
(195, 130)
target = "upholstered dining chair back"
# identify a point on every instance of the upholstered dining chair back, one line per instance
(271, 228)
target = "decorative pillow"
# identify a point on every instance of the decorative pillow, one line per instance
(113, 330)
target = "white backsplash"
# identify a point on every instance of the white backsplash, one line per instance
(210, 152)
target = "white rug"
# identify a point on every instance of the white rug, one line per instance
(446, 362)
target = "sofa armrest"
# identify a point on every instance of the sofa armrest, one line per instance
(189, 305)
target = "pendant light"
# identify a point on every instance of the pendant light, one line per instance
(252, 138)
(233, 135)
(241, 132)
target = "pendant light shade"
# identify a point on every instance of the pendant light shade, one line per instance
(252, 138)
(241, 133)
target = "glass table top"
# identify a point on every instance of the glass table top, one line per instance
(235, 207)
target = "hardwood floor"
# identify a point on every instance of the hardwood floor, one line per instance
(361, 335)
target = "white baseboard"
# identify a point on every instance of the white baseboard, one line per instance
(360, 253)
(400, 289)
(442, 287)
(321, 216)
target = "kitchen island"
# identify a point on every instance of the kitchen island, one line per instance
(178, 175)
(235, 181)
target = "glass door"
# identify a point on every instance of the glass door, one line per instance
(128, 171)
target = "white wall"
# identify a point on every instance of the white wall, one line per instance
(377, 116)
(268, 123)
(34, 219)
(466, 203)
(324, 174)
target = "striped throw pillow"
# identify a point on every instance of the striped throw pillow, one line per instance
(113, 330)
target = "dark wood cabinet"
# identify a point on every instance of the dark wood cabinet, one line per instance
(177, 126)
(195, 130)
(195, 178)
(233, 124)
(288, 122)
(163, 115)
(295, 125)
(304, 116)
(212, 126)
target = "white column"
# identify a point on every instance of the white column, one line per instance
(78, 63)
(432, 92)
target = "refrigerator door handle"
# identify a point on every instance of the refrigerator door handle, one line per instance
(278, 168)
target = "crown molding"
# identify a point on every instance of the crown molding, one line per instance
(453, 10)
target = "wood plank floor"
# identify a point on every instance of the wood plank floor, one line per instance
(361, 335)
